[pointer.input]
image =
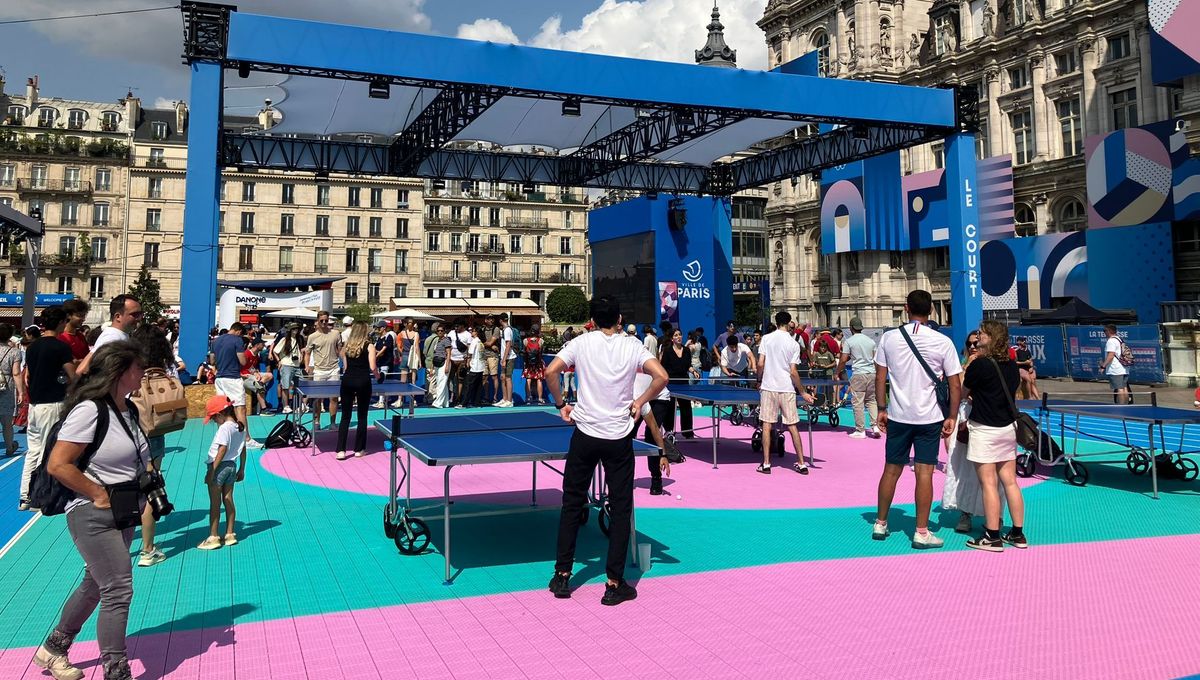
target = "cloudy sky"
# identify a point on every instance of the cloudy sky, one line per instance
(99, 58)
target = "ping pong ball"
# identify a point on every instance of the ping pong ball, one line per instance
(678, 497)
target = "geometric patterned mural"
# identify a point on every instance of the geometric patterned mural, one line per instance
(1131, 173)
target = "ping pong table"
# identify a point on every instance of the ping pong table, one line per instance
(1089, 415)
(536, 437)
(724, 397)
(308, 389)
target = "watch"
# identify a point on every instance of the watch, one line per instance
(561, 405)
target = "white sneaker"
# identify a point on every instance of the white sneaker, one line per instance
(149, 559)
(398, 403)
(58, 666)
(287, 410)
(926, 540)
(253, 444)
(880, 531)
(505, 404)
(379, 404)
(857, 434)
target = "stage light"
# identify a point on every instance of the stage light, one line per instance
(572, 107)
(859, 131)
(243, 70)
(685, 119)
(379, 89)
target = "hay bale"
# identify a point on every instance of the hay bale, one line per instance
(197, 397)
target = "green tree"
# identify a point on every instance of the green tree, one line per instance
(567, 304)
(747, 313)
(146, 290)
(362, 311)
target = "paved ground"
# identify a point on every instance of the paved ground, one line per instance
(1182, 397)
(751, 576)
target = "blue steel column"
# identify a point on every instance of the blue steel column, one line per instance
(962, 201)
(198, 286)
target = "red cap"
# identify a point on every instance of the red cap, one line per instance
(215, 404)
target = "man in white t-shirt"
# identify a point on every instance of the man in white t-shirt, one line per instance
(1114, 370)
(779, 382)
(737, 361)
(347, 322)
(916, 421)
(508, 359)
(606, 363)
(125, 313)
(650, 342)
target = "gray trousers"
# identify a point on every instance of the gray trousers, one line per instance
(107, 578)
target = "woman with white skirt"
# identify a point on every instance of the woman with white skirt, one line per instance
(961, 490)
(991, 382)
(439, 371)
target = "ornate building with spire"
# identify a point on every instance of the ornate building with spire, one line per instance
(1049, 72)
(715, 52)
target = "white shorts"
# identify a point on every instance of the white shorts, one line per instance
(233, 388)
(331, 374)
(991, 444)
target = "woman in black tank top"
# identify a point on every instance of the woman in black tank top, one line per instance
(358, 356)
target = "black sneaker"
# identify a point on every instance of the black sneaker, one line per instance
(1015, 541)
(560, 585)
(656, 487)
(615, 595)
(985, 543)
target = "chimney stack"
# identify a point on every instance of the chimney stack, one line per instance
(1, 85)
(31, 93)
(181, 117)
(133, 110)
(266, 117)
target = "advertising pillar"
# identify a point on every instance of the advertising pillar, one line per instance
(966, 293)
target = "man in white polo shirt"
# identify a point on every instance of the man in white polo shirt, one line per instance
(916, 421)
(606, 363)
(779, 382)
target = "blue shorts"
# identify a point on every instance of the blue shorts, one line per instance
(225, 474)
(922, 440)
(1118, 382)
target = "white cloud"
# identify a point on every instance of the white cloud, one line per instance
(488, 29)
(665, 30)
(164, 103)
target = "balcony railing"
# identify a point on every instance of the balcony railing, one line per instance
(156, 162)
(108, 126)
(99, 223)
(75, 125)
(527, 223)
(53, 186)
(321, 268)
(481, 249)
(285, 267)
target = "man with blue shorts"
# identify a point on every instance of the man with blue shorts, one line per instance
(916, 421)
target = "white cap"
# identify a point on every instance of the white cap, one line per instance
(631, 328)
(347, 321)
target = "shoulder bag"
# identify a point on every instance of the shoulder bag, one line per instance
(1027, 428)
(941, 386)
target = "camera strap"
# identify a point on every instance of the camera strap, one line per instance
(137, 446)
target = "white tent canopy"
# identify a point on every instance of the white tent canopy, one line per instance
(293, 313)
(406, 313)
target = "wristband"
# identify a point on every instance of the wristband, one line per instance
(561, 405)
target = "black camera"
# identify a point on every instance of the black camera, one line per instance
(152, 485)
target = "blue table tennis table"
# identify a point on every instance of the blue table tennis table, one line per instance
(536, 437)
(1087, 415)
(308, 389)
(731, 398)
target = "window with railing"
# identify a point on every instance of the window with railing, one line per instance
(8, 175)
(157, 159)
(150, 255)
(66, 285)
(402, 199)
(285, 258)
(76, 119)
(72, 179)
(322, 225)
(246, 258)
(155, 187)
(373, 293)
(376, 197)
(514, 245)
(353, 196)
(456, 214)
(351, 293)
(103, 179)
(375, 260)
(46, 117)
(96, 287)
(493, 217)
(401, 261)
(66, 248)
(456, 243)
(433, 241)
(322, 194)
(248, 190)
(564, 245)
(473, 243)
(473, 216)
(153, 219)
(539, 245)
(247, 223)
(16, 115)
(220, 221)
(351, 260)
(99, 249)
(287, 224)
(400, 290)
(352, 225)
(288, 194)
(39, 176)
(321, 260)
(375, 227)
(109, 121)
(100, 215)
(402, 227)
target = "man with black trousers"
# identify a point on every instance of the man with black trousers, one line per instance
(606, 362)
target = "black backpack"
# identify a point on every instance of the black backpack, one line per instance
(45, 491)
(286, 434)
(705, 355)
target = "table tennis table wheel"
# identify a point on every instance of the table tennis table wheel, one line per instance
(1138, 462)
(834, 419)
(736, 416)
(813, 414)
(603, 518)
(1026, 465)
(1189, 468)
(303, 439)
(1075, 473)
(756, 441)
(670, 438)
(777, 443)
(412, 536)
(389, 529)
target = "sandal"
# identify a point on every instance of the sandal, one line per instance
(800, 467)
(765, 469)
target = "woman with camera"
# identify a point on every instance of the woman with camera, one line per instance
(109, 489)
(286, 351)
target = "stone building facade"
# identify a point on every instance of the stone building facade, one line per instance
(1049, 74)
